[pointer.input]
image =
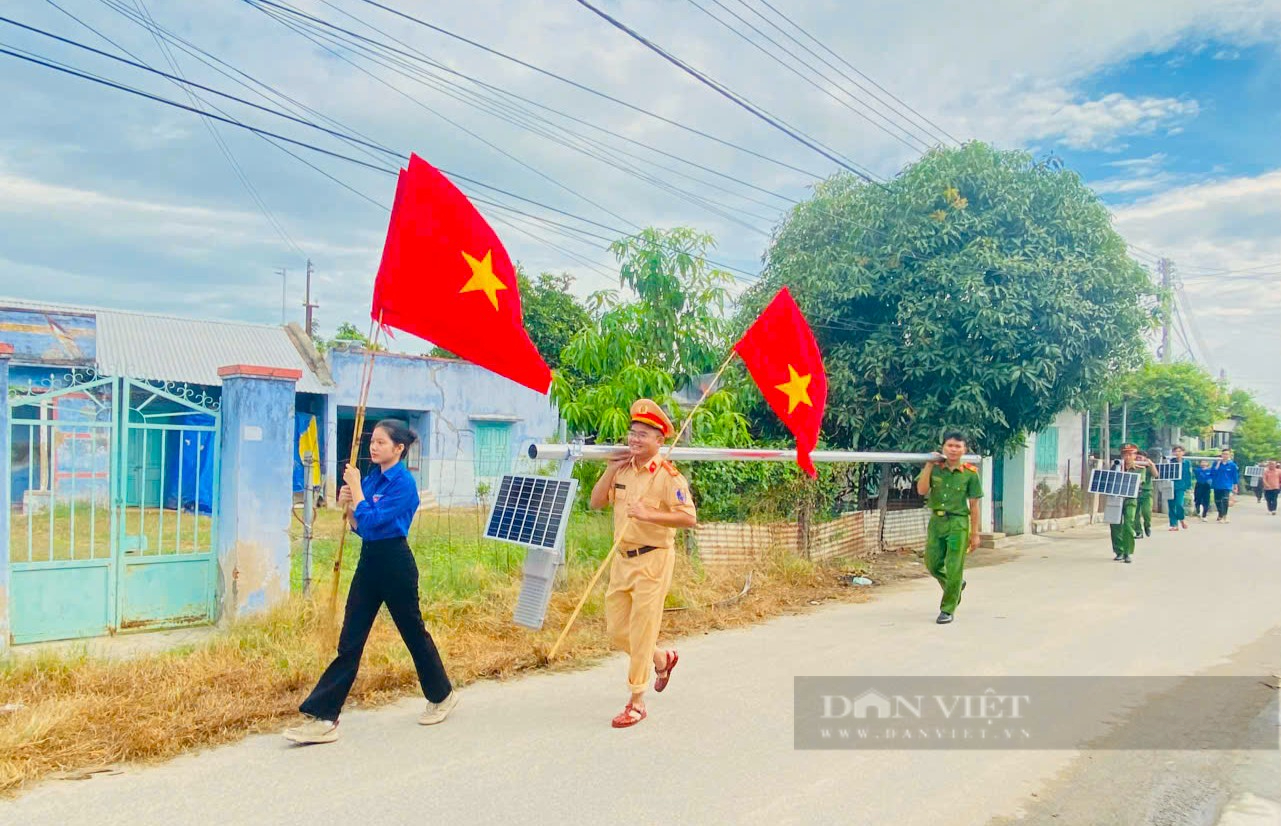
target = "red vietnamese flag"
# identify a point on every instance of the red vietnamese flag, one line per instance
(445, 277)
(781, 354)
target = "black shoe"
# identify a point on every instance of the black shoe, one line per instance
(1138, 536)
(944, 618)
(1126, 560)
(1147, 531)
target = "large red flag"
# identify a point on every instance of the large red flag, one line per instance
(445, 277)
(781, 354)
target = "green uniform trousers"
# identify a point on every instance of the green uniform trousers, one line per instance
(1123, 533)
(946, 544)
(1143, 518)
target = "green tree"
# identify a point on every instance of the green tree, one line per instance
(1163, 396)
(978, 289)
(672, 333)
(347, 333)
(1258, 435)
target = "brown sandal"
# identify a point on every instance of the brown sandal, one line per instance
(625, 719)
(665, 676)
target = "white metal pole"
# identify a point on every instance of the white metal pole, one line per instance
(602, 453)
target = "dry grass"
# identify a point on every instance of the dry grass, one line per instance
(78, 714)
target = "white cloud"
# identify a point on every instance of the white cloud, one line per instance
(1209, 228)
(1061, 116)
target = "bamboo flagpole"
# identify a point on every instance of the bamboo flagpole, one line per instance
(613, 548)
(366, 379)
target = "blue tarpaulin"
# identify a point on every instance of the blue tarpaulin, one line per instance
(191, 465)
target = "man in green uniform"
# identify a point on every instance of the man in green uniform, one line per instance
(952, 491)
(1123, 533)
(1143, 505)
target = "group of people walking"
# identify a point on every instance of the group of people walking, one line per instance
(1216, 482)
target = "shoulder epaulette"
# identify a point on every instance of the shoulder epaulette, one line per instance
(671, 468)
(969, 466)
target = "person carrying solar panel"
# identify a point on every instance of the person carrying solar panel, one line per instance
(1143, 505)
(952, 490)
(1174, 507)
(1225, 478)
(384, 504)
(1123, 532)
(651, 501)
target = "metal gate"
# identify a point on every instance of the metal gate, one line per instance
(114, 522)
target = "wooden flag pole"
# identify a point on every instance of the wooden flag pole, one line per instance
(366, 378)
(601, 570)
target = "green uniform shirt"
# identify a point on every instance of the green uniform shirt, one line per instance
(951, 490)
(1149, 475)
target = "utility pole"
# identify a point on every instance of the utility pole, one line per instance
(284, 289)
(1163, 267)
(1105, 436)
(1125, 422)
(307, 300)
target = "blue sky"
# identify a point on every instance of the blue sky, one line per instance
(1170, 109)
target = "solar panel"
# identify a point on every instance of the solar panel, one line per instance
(531, 511)
(1254, 470)
(1172, 471)
(1115, 483)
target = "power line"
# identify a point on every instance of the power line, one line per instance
(574, 143)
(225, 150)
(573, 83)
(727, 93)
(907, 138)
(821, 45)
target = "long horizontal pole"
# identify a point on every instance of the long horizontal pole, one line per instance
(603, 453)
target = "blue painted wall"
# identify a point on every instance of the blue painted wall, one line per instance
(4, 501)
(256, 497)
(445, 401)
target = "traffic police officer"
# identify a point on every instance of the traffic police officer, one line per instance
(651, 500)
(952, 490)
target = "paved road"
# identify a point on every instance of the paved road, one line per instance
(718, 746)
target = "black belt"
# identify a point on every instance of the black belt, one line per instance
(945, 513)
(643, 549)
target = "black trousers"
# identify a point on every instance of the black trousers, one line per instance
(1271, 496)
(1221, 501)
(386, 573)
(1201, 498)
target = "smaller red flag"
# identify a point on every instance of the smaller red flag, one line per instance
(784, 360)
(446, 277)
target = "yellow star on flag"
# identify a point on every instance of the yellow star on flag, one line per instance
(483, 278)
(797, 389)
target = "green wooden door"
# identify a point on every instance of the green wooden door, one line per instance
(493, 449)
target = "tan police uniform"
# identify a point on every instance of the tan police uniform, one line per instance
(641, 571)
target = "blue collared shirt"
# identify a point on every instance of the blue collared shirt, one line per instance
(1204, 475)
(1224, 475)
(391, 499)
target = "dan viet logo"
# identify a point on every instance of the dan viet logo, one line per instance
(872, 704)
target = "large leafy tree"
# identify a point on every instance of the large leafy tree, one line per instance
(1162, 396)
(979, 289)
(663, 339)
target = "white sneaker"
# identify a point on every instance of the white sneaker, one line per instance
(437, 712)
(314, 730)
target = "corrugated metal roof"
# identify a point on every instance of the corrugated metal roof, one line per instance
(169, 348)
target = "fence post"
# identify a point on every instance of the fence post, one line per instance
(308, 519)
(6, 352)
(883, 503)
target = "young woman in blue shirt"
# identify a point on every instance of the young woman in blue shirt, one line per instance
(383, 506)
